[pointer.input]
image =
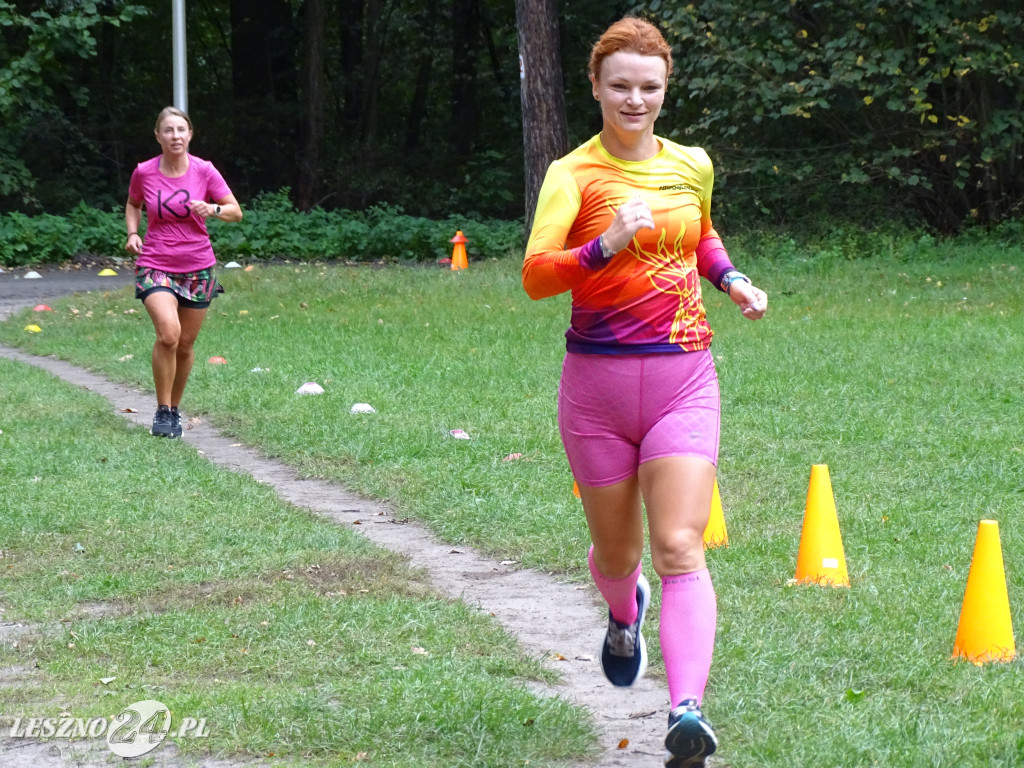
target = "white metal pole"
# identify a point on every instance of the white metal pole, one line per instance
(178, 45)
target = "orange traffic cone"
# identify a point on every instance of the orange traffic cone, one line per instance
(459, 260)
(821, 560)
(985, 632)
(575, 489)
(715, 534)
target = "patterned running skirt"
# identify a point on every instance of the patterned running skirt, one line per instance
(194, 290)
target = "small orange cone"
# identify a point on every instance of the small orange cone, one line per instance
(985, 632)
(715, 534)
(821, 560)
(459, 260)
(575, 489)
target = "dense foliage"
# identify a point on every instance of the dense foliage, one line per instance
(813, 105)
(904, 110)
(271, 229)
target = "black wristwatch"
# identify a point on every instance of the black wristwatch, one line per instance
(216, 210)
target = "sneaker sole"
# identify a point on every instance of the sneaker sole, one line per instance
(671, 761)
(689, 746)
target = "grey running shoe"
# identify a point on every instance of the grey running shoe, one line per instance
(690, 738)
(163, 423)
(624, 652)
(175, 422)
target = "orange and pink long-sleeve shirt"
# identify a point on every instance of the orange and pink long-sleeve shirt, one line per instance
(647, 297)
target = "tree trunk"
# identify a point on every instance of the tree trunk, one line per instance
(545, 130)
(263, 45)
(351, 17)
(465, 104)
(313, 97)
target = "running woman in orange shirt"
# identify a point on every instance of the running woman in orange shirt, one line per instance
(624, 223)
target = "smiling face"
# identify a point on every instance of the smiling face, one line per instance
(631, 89)
(174, 135)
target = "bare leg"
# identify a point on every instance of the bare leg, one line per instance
(677, 493)
(616, 524)
(189, 323)
(162, 307)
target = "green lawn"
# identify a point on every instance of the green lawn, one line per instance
(896, 363)
(149, 574)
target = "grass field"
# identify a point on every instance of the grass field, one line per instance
(149, 574)
(900, 370)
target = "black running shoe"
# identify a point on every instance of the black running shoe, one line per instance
(163, 423)
(690, 738)
(624, 652)
(175, 422)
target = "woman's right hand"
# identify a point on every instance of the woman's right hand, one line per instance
(134, 244)
(630, 218)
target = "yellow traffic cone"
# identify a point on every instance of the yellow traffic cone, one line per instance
(985, 632)
(715, 534)
(459, 260)
(821, 560)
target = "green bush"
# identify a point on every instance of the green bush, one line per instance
(271, 228)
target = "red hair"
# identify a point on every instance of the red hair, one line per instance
(632, 35)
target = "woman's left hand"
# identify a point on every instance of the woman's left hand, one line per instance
(752, 301)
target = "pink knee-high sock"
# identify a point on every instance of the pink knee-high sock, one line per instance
(689, 617)
(620, 594)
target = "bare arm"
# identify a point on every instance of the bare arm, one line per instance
(132, 219)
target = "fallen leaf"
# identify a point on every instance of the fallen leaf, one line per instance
(623, 743)
(128, 410)
(513, 457)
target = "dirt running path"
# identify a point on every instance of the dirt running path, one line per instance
(560, 622)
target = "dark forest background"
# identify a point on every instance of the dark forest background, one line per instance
(907, 110)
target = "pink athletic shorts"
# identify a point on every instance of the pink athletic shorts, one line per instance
(617, 411)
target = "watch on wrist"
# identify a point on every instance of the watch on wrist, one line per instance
(216, 210)
(731, 277)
